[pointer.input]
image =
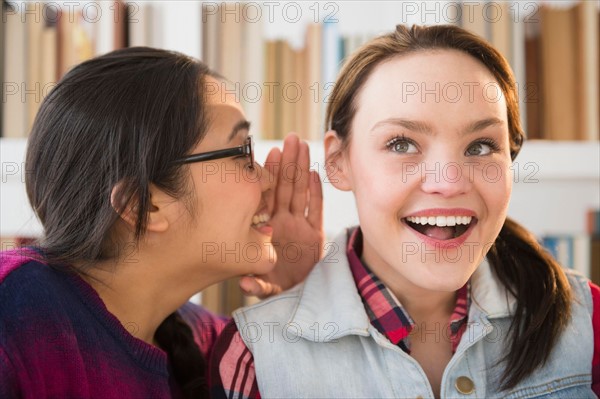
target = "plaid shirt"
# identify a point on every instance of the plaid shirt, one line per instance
(232, 371)
(386, 313)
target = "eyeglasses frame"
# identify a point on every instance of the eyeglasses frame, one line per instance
(246, 149)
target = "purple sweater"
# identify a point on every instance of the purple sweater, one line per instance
(58, 340)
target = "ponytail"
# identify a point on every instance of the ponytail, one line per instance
(543, 297)
(176, 338)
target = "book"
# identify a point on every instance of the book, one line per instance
(532, 89)
(302, 106)
(595, 259)
(314, 115)
(559, 82)
(111, 27)
(34, 28)
(593, 221)
(289, 90)
(253, 73)
(561, 249)
(14, 123)
(268, 113)
(501, 30)
(588, 67)
(573, 251)
(139, 22)
(48, 57)
(211, 43)
(330, 63)
(473, 18)
(230, 33)
(2, 51)
(518, 62)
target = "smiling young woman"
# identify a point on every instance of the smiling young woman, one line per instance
(437, 293)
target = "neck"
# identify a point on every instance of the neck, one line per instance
(423, 305)
(141, 295)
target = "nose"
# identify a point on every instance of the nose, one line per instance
(266, 177)
(446, 178)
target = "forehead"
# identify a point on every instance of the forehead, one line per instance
(431, 84)
(219, 94)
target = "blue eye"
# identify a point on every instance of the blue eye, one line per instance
(401, 145)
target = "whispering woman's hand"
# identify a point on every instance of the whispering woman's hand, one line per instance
(296, 218)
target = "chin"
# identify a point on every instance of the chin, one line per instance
(266, 261)
(445, 276)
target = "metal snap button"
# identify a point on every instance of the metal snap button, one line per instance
(464, 385)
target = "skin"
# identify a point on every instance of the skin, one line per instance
(184, 252)
(387, 187)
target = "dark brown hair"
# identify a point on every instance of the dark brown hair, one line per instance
(118, 120)
(536, 280)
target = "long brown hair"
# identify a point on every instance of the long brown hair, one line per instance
(121, 118)
(536, 280)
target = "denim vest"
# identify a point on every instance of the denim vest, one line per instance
(316, 340)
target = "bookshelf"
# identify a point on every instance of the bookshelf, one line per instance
(255, 44)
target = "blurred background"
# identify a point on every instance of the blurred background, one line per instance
(282, 58)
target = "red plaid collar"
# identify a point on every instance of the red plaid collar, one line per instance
(385, 311)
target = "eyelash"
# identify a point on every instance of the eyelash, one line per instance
(489, 142)
(398, 139)
(402, 139)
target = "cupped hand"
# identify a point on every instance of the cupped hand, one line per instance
(296, 217)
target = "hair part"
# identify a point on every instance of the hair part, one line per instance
(536, 280)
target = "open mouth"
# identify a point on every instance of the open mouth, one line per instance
(260, 219)
(441, 228)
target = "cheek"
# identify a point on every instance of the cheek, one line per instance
(494, 187)
(380, 189)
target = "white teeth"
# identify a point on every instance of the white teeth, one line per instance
(440, 221)
(262, 218)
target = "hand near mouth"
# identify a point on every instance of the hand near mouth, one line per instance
(296, 207)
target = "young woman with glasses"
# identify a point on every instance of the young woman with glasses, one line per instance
(437, 293)
(141, 171)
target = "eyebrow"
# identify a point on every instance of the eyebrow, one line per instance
(241, 125)
(425, 128)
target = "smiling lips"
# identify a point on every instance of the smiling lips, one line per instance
(260, 222)
(260, 218)
(442, 226)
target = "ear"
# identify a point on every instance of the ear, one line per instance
(336, 162)
(128, 209)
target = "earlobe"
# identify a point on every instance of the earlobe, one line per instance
(336, 165)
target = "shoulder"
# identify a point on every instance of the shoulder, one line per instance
(28, 285)
(15, 261)
(583, 289)
(277, 308)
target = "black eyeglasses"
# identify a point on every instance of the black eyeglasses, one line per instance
(246, 149)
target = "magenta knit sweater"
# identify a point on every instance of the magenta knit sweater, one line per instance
(58, 340)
